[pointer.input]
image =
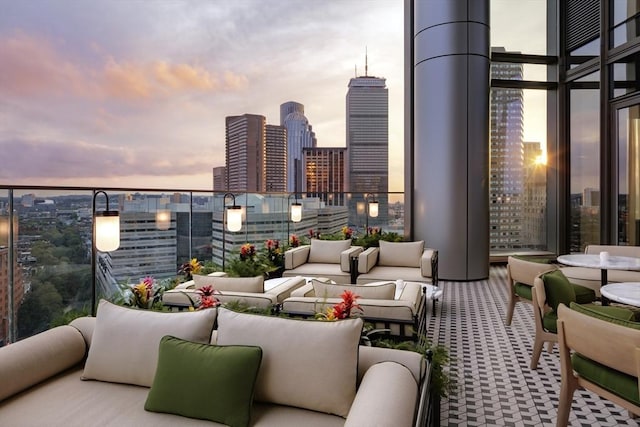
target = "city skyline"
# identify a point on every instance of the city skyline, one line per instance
(110, 94)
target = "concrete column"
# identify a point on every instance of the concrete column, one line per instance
(447, 181)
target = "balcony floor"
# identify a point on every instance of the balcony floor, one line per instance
(495, 385)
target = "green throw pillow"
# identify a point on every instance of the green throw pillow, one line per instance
(558, 289)
(205, 381)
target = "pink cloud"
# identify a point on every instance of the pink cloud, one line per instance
(33, 67)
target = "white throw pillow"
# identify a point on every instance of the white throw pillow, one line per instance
(231, 284)
(327, 251)
(377, 291)
(401, 254)
(307, 364)
(125, 342)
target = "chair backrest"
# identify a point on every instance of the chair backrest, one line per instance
(632, 251)
(522, 271)
(601, 341)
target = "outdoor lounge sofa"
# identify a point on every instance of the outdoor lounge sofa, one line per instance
(251, 291)
(322, 258)
(409, 261)
(106, 370)
(400, 310)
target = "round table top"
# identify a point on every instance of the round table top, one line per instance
(623, 292)
(612, 262)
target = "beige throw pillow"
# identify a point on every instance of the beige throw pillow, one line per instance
(401, 254)
(305, 363)
(125, 342)
(231, 284)
(327, 251)
(377, 291)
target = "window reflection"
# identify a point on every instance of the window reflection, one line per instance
(584, 169)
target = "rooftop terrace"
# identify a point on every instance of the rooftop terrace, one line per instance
(491, 360)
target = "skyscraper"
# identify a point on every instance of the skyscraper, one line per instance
(324, 175)
(219, 178)
(506, 184)
(256, 154)
(275, 158)
(368, 143)
(244, 152)
(534, 199)
(299, 136)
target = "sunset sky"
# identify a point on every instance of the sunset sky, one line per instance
(134, 93)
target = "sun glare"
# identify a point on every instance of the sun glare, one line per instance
(541, 160)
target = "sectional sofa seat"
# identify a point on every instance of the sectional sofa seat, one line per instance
(409, 261)
(252, 291)
(401, 310)
(591, 278)
(322, 258)
(106, 370)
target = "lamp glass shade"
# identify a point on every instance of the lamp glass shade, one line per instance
(107, 231)
(163, 219)
(373, 209)
(296, 212)
(234, 218)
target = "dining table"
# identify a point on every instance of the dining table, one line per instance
(602, 261)
(623, 292)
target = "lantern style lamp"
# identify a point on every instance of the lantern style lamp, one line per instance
(106, 238)
(234, 221)
(295, 211)
(372, 209)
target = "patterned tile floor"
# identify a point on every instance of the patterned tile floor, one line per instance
(491, 360)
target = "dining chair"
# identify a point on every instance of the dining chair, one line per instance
(599, 353)
(549, 290)
(520, 276)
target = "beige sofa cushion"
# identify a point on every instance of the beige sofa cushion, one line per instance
(327, 251)
(375, 291)
(231, 284)
(400, 254)
(307, 364)
(125, 342)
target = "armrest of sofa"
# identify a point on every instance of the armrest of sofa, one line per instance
(429, 265)
(295, 257)
(412, 293)
(284, 289)
(386, 397)
(189, 284)
(303, 291)
(368, 259)
(345, 257)
(39, 357)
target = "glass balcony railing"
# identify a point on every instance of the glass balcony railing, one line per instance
(46, 240)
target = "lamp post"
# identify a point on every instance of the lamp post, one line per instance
(372, 209)
(233, 223)
(105, 238)
(295, 212)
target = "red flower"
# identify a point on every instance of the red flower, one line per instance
(294, 241)
(208, 302)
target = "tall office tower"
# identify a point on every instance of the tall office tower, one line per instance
(506, 182)
(534, 200)
(368, 144)
(219, 181)
(275, 158)
(244, 152)
(300, 135)
(325, 174)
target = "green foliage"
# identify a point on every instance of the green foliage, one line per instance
(241, 307)
(258, 266)
(443, 381)
(68, 316)
(373, 238)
